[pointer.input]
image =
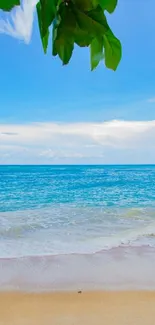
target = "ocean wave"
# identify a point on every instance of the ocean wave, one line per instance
(48, 245)
(69, 229)
(19, 230)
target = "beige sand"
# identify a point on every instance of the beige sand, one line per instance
(93, 308)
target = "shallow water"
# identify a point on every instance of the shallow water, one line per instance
(55, 218)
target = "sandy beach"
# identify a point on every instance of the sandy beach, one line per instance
(72, 308)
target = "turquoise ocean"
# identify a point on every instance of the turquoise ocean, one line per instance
(77, 227)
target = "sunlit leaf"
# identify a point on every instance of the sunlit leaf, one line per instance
(96, 52)
(112, 50)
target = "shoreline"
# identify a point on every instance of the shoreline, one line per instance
(68, 308)
(124, 268)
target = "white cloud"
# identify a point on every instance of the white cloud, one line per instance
(107, 142)
(19, 22)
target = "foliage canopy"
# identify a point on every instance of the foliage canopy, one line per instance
(80, 22)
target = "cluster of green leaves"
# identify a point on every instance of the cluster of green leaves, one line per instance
(80, 22)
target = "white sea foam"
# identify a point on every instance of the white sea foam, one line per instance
(69, 229)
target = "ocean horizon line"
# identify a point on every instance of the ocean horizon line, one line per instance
(101, 165)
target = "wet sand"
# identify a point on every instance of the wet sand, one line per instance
(72, 308)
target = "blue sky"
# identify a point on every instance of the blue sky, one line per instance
(35, 88)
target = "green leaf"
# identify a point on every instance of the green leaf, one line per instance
(84, 5)
(7, 5)
(95, 3)
(69, 24)
(82, 38)
(96, 52)
(54, 36)
(48, 12)
(63, 34)
(67, 18)
(98, 15)
(44, 38)
(91, 23)
(112, 50)
(64, 49)
(108, 5)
